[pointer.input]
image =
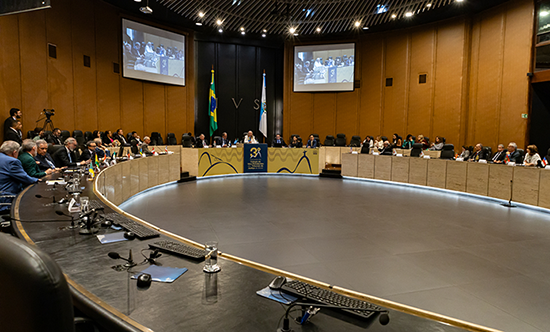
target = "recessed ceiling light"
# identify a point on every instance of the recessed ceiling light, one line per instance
(219, 22)
(242, 28)
(242, 33)
(459, 0)
(292, 30)
(199, 23)
(201, 14)
(408, 14)
(220, 30)
(357, 23)
(264, 31)
(365, 28)
(318, 29)
(428, 5)
(137, 0)
(393, 16)
(263, 35)
(295, 34)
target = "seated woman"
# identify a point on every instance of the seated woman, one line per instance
(465, 153)
(378, 143)
(311, 142)
(420, 139)
(532, 157)
(295, 142)
(409, 141)
(107, 138)
(397, 141)
(438, 144)
(369, 142)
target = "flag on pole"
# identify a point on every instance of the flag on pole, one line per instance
(544, 162)
(91, 171)
(213, 106)
(263, 113)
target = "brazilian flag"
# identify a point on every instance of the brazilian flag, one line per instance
(213, 107)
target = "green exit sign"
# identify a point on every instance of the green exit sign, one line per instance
(524, 115)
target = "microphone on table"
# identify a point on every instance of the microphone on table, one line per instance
(53, 197)
(61, 213)
(129, 261)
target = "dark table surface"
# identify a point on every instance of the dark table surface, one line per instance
(196, 301)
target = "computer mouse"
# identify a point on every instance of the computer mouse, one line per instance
(130, 235)
(144, 280)
(277, 283)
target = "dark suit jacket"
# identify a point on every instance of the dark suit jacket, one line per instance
(30, 166)
(61, 158)
(87, 155)
(500, 156)
(225, 142)
(121, 139)
(386, 151)
(278, 145)
(7, 127)
(515, 156)
(43, 164)
(12, 178)
(310, 144)
(55, 140)
(200, 143)
(11, 135)
(145, 149)
(476, 156)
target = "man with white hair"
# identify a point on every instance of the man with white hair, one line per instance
(513, 154)
(66, 157)
(26, 156)
(12, 175)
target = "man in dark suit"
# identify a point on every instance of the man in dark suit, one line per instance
(89, 152)
(513, 154)
(55, 138)
(278, 142)
(66, 157)
(201, 142)
(14, 132)
(119, 136)
(478, 153)
(12, 175)
(26, 156)
(15, 114)
(145, 146)
(224, 142)
(498, 157)
(43, 158)
(386, 150)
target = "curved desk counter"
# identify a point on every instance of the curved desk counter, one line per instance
(196, 301)
(491, 180)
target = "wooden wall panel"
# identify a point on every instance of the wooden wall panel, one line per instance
(154, 109)
(372, 86)
(176, 120)
(346, 114)
(60, 69)
(420, 106)
(324, 115)
(10, 77)
(108, 82)
(515, 87)
(83, 41)
(301, 121)
(34, 76)
(132, 105)
(448, 92)
(397, 62)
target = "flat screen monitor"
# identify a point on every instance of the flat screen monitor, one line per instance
(152, 54)
(328, 67)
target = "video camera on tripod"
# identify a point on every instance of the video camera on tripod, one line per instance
(48, 123)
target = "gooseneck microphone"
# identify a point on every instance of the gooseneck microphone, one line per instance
(54, 202)
(129, 261)
(61, 213)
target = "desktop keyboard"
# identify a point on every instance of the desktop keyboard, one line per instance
(180, 249)
(95, 204)
(142, 232)
(323, 296)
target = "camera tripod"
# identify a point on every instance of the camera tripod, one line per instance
(48, 123)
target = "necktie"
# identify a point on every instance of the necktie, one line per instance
(50, 163)
(69, 154)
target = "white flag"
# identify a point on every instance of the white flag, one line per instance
(263, 114)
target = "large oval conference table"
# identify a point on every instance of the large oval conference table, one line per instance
(196, 301)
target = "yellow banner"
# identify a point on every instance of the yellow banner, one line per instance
(219, 161)
(294, 161)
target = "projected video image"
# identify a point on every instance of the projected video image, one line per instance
(324, 68)
(153, 54)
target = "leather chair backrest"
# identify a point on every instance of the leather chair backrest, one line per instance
(521, 156)
(35, 293)
(30, 134)
(77, 134)
(216, 140)
(365, 149)
(171, 139)
(186, 141)
(88, 136)
(340, 140)
(329, 140)
(54, 148)
(448, 151)
(384, 138)
(355, 141)
(488, 152)
(416, 150)
(65, 134)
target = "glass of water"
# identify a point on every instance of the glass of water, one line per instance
(211, 261)
(84, 203)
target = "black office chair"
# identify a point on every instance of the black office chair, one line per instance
(384, 138)
(521, 156)
(329, 140)
(365, 149)
(171, 139)
(31, 134)
(155, 137)
(355, 141)
(217, 140)
(448, 151)
(416, 150)
(128, 137)
(77, 134)
(340, 140)
(88, 136)
(186, 141)
(35, 293)
(64, 135)
(53, 148)
(134, 147)
(487, 152)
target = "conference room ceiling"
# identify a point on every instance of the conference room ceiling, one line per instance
(278, 17)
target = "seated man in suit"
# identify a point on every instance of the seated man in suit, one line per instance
(119, 136)
(89, 152)
(100, 151)
(15, 114)
(224, 142)
(66, 157)
(201, 142)
(513, 154)
(136, 137)
(498, 157)
(14, 132)
(478, 153)
(311, 142)
(278, 142)
(12, 175)
(55, 138)
(249, 138)
(43, 158)
(387, 149)
(145, 146)
(26, 156)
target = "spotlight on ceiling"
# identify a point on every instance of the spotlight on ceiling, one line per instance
(220, 30)
(137, 0)
(408, 14)
(263, 35)
(393, 16)
(242, 33)
(219, 22)
(295, 34)
(199, 23)
(365, 28)
(357, 24)
(318, 29)
(242, 28)
(459, 0)
(146, 10)
(201, 14)
(292, 30)
(264, 31)
(428, 5)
